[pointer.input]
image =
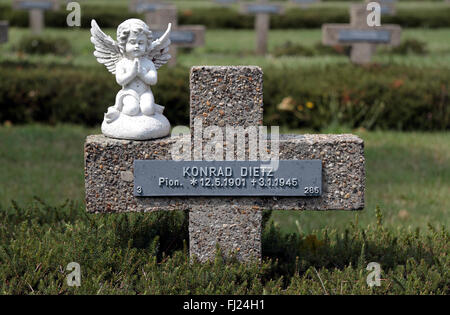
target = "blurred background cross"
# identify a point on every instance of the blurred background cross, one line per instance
(363, 38)
(262, 10)
(36, 9)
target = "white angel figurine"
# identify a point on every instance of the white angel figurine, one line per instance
(134, 59)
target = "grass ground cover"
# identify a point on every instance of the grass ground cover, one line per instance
(225, 47)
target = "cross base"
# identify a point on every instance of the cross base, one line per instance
(361, 53)
(235, 230)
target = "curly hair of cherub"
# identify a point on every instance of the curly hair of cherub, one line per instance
(132, 26)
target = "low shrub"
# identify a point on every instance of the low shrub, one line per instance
(62, 93)
(386, 97)
(40, 45)
(291, 49)
(148, 254)
(410, 46)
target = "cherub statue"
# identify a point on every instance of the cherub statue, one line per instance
(134, 59)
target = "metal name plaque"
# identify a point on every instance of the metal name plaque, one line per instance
(178, 37)
(29, 5)
(227, 178)
(263, 8)
(364, 36)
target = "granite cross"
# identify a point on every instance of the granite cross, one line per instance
(158, 15)
(3, 32)
(262, 9)
(135, 176)
(363, 38)
(36, 10)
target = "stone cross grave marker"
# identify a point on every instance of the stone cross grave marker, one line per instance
(304, 3)
(225, 197)
(158, 15)
(262, 10)
(36, 9)
(363, 38)
(3, 32)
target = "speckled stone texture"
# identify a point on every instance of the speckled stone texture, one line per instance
(233, 223)
(234, 228)
(227, 96)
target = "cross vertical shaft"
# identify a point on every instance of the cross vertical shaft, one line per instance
(225, 96)
(37, 22)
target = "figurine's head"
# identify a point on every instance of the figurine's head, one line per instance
(134, 38)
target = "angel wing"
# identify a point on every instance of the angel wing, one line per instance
(106, 49)
(159, 52)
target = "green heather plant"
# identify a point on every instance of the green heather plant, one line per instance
(147, 254)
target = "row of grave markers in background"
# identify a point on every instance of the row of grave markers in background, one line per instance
(387, 6)
(36, 11)
(158, 14)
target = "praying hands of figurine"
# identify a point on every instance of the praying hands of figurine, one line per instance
(136, 75)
